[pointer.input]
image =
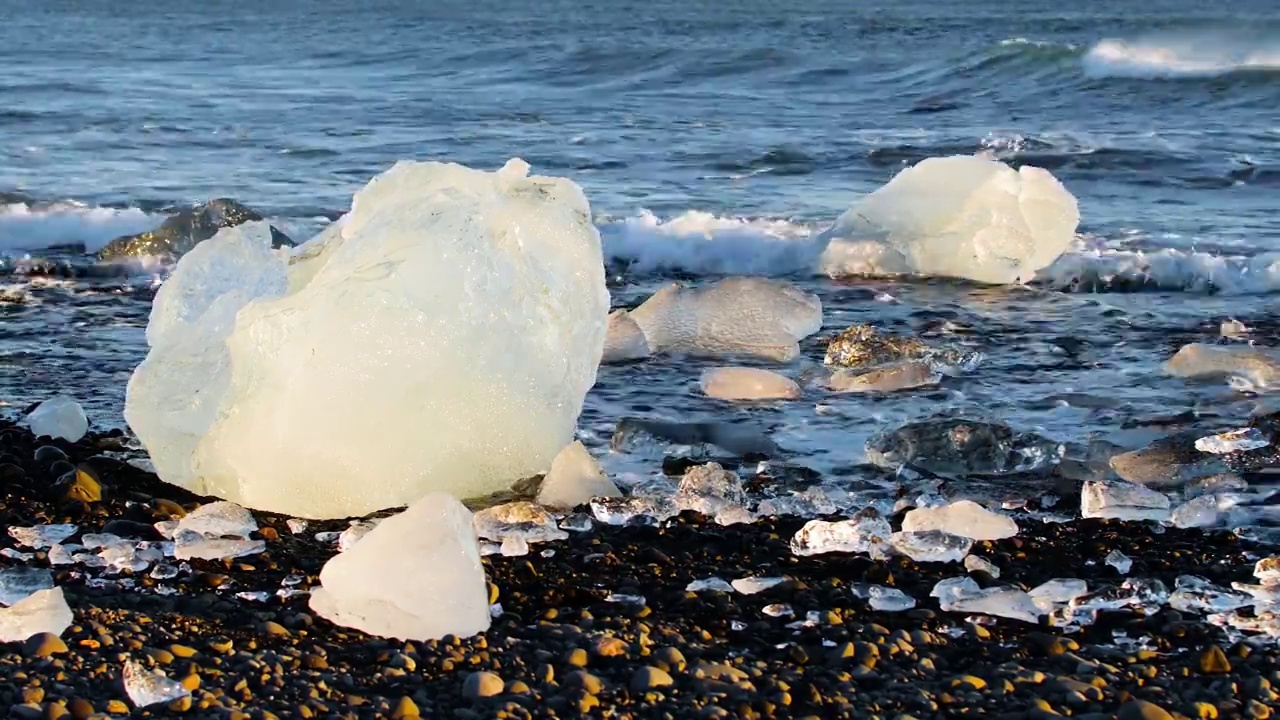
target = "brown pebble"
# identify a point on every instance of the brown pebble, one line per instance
(182, 651)
(577, 657)
(81, 708)
(1213, 661)
(610, 646)
(43, 645)
(117, 707)
(649, 677)
(1142, 710)
(584, 680)
(482, 684)
(56, 711)
(269, 534)
(405, 709)
(276, 629)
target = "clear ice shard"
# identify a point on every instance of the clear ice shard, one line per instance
(473, 304)
(1197, 512)
(1234, 441)
(964, 216)
(58, 417)
(1196, 594)
(744, 383)
(887, 599)
(39, 537)
(711, 584)
(735, 317)
(810, 502)
(1059, 590)
(963, 595)
(1146, 594)
(1121, 562)
(931, 546)
(354, 533)
(975, 563)
(216, 531)
(150, 687)
(952, 446)
(40, 612)
(1123, 501)
(867, 532)
(575, 478)
(965, 518)
(194, 546)
(416, 576)
(623, 340)
(634, 508)
(710, 489)
(525, 520)
(20, 582)
(753, 585)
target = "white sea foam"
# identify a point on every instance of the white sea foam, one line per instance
(1166, 269)
(704, 243)
(25, 226)
(1180, 56)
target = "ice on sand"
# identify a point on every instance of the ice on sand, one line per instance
(1121, 562)
(964, 216)
(525, 520)
(216, 531)
(623, 340)
(1123, 501)
(965, 518)
(39, 537)
(710, 490)
(20, 582)
(741, 383)
(417, 576)
(59, 417)
(575, 478)
(964, 595)
(867, 532)
(734, 317)
(42, 611)
(150, 687)
(454, 320)
(931, 546)
(887, 599)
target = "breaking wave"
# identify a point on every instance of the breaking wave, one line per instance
(29, 226)
(1185, 56)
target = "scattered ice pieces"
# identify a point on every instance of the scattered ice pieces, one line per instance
(575, 478)
(147, 687)
(42, 611)
(20, 582)
(965, 518)
(577, 522)
(963, 595)
(744, 383)
(1197, 512)
(16, 555)
(352, 535)
(59, 417)
(623, 340)
(416, 576)
(1240, 440)
(1121, 562)
(625, 599)
(1145, 593)
(39, 537)
(711, 584)
(867, 532)
(1123, 501)
(887, 599)
(778, 610)
(297, 526)
(753, 585)
(528, 521)
(710, 489)
(931, 546)
(976, 563)
(1196, 594)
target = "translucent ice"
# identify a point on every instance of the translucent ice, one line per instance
(1260, 367)
(712, 584)
(1198, 595)
(193, 545)
(521, 519)
(219, 519)
(354, 534)
(887, 599)
(742, 383)
(42, 611)
(868, 532)
(20, 582)
(965, 518)
(809, 502)
(734, 317)
(454, 321)
(1197, 512)
(931, 546)
(962, 446)
(623, 340)
(59, 417)
(42, 536)
(1144, 593)
(1267, 570)
(1121, 562)
(968, 217)
(975, 563)
(967, 597)
(889, 378)
(150, 687)
(575, 478)
(710, 489)
(627, 510)
(1122, 501)
(417, 576)
(1233, 441)
(753, 585)
(1057, 591)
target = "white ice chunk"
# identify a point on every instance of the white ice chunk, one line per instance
(976, 563)
(805, 503)
(965, 518)
(20, 582)
(735, 515)
(734, 317)
(711, 584)
(1121, 562)
(965, 216)
(948, 589)
(354, 533)
(710, 489)
(1240, 440)
(39, 537)
(636, 508)
(868, 532)
(454, 321)
(753, 585)
(195, 546)
(931, 546)
(417, 576)
(219, 519)
(778, 610)
(1123, 501)
(623, 340)
(1198, 595)
(887, 599)
(150, 687)
(63, 554)
(1258, 366)
(59, 417)
(744, 383)
(521, 519)
(1197, 512)
(43, 611)
(1005, 602)
(575, 478)
(1060, 590)
(297, 526)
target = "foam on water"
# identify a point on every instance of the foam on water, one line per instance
(700, 242)
(32, 226)
(1164, 269)
(1180, 56)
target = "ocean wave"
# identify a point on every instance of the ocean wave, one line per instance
(702, 243)
(31, 226)
(1108, 270)
(1185, 56)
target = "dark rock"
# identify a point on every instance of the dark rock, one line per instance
(649, 677)
(180, 233)
(483, 685)
(43, 645)
(633, 435)
(132, 530)
(47, 455)
(1142, 710)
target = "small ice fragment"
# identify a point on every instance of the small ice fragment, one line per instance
(164, 572)
(59, 417)
(489, 548)
(1121, 562)
(548, 553)
(975, 563)
(575, 478)
(354, 533)
(167, 528)
(753, 585)
(1240, 440)
(15, 555)
(514, 546)
(1267, 570)
(1005, 602)
(1232, 328)
(626, 510)
(20, 582)
(964, 518)
(711, 584)
(62, 554)
(327, 537)
(709, 489)
(147, 687)
(577, 522)
(887, 599)
(219, 519)
(1060, 590)
(867, 532)
(297, 526)
(95, 541)
(625, 599)
(42, 611)
(778, 610)
(255, 595)
(523, 519)
(931, 546)
(193, 545)
(1197, 512)
(495, 610)
(39, 537)
(1122, 501)
(743, 383)
(809, 502)
(623, 339)
(1221, 483)
(1196, 594)
(735, 515)
(737, 625)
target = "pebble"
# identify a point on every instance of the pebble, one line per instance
(1142, 710)
(482, 685)
(650, 677)
(44, 645)
(1213, 661)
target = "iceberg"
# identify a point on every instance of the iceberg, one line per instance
(59, 417)
(441, 337)
(735, 317)
(416, 576)
(963, 216)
